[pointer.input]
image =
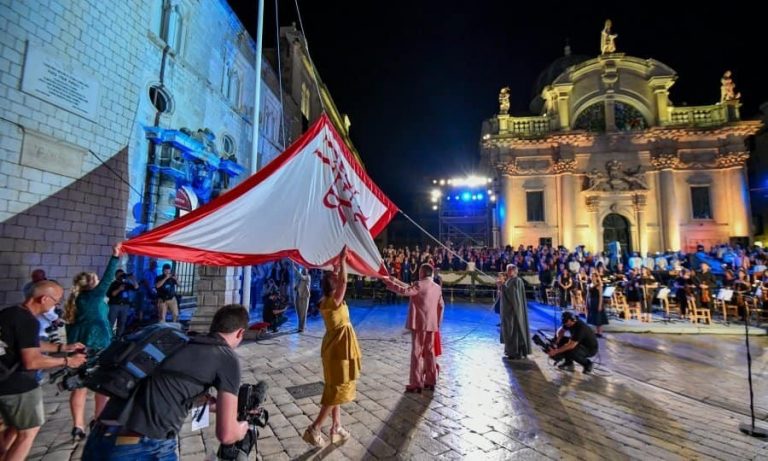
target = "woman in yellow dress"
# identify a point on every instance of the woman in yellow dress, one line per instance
(340, 354)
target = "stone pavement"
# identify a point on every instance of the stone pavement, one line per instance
(651, 396)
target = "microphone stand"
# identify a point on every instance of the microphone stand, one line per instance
(747, 428)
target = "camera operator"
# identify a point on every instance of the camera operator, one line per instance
(21, 353)
(165, 284)
(122, 293)
(581, 344)
(146, 425)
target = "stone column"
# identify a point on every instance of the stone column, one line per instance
(505, 200)
(670, 219)
(215, 287)
(593, 206)
(567, 199)
(638, 203)
(737, 182)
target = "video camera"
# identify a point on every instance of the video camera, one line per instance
(545, 342)
(250, 397)
(74, 378)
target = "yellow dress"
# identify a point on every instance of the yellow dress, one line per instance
(340, 353)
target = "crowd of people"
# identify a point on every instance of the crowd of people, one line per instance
(149, 421)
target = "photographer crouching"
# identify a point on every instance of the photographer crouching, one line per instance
(146, 425)
(578, 347)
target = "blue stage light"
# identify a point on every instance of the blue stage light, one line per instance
(479, 196)
(465, 196)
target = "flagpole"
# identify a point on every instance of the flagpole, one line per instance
(247, 272)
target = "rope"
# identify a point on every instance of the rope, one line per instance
(309, 56)
(280, 74)
(451, 252)
(115, 173)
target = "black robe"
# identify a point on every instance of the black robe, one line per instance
(515, 332)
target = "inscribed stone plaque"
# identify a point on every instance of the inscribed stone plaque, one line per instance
(55, 80)
(50, 154)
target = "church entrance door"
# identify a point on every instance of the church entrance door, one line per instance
(616, 229)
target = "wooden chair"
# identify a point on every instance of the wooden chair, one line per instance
(552, 296)
(697, 313)
(665, 302)
(578, 303)
(755, 313)
(620, 302)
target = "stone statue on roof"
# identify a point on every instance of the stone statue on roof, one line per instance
(504, 100)
(607, 39)
(728, 88)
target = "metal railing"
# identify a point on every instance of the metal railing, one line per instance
(185, 278)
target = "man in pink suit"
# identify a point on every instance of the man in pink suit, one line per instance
(425, 314)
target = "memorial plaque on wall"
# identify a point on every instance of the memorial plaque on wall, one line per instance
(51, 154)
(61, 83)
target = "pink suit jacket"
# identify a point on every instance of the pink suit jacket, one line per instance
(425, 312)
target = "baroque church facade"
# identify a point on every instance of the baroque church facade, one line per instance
(609, 159)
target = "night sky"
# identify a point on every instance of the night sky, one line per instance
(417, 78)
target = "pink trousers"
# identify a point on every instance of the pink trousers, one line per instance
(423, 365)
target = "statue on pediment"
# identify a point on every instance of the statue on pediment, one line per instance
(597, 180)
(728, 88)
(607, 39)
(504, 101)
(615, 178)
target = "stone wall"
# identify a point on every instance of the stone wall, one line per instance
(70, 231)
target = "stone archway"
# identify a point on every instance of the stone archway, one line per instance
(616, 228)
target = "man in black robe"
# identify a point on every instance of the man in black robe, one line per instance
(514, 316)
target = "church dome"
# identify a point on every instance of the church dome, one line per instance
(550, 73)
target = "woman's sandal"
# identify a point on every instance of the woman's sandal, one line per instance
(339, 435)
(77, 434)
(313, 437)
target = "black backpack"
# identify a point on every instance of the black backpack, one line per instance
(5, 371)
(119, 369)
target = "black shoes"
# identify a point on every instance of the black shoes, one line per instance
(566, 366)
(429, 387)
(77, 434)
(412, 390)
(588, 367)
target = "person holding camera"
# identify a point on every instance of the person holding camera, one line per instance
(21, 353)
(578, 347)
(166, 295)
(121, 295)
(146, 425)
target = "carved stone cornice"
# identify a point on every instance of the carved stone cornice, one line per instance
(564, 166)
(593, 203)
(506, 168)
(731, 159)
(665, 161)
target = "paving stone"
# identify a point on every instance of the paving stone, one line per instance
(651, 397)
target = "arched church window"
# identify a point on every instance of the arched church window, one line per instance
(628, 118)
(592, 118)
